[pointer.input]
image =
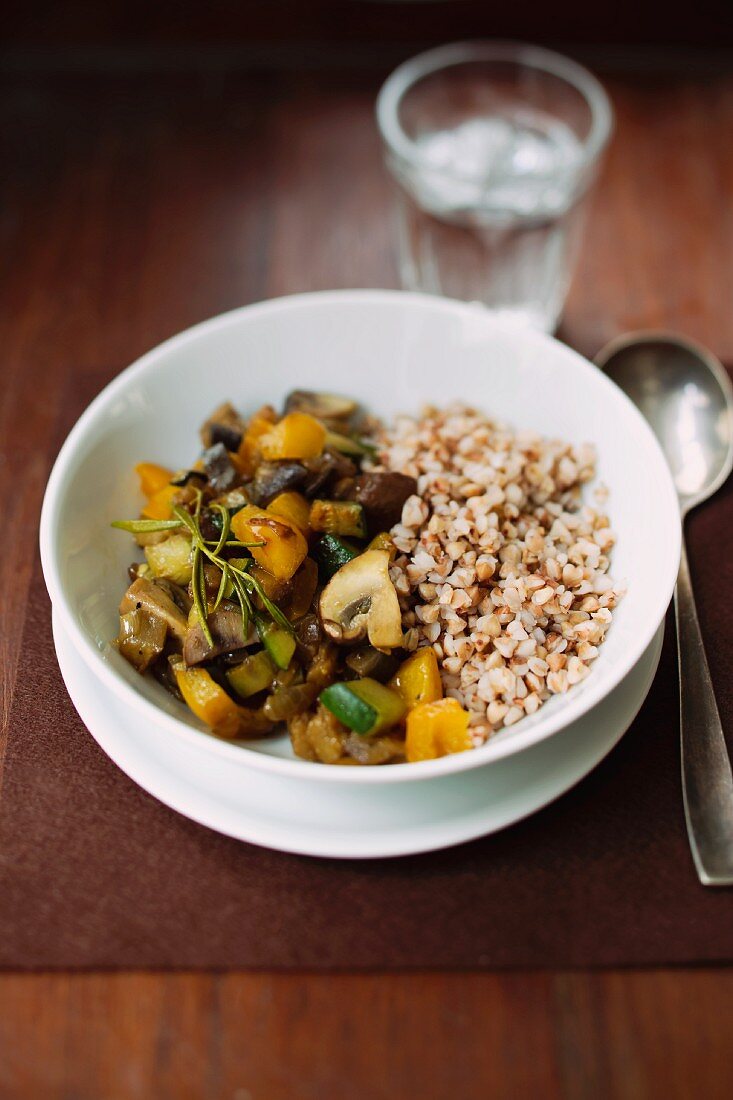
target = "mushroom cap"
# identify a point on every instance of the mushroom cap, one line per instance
(360, 601)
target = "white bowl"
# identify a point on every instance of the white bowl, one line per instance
(393, 351)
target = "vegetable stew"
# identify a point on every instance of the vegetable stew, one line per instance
(265, 596)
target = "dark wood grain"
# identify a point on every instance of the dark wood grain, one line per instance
(133, 206)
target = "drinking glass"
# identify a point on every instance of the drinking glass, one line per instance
(492, 147)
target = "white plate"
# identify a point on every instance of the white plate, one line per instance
(364, 821)
(392, 351)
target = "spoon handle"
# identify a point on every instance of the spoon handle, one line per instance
(707, 783)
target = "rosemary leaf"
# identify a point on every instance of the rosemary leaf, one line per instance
(197, 585)
(143, 526)
(226, 523)
(225, 580)
(231, 543)
(244, 602)
(188, 521)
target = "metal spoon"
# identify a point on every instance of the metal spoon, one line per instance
(683, 391)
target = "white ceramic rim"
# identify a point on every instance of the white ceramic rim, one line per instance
(518, 53)
(571, 709)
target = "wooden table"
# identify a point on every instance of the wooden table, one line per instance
(135, 204)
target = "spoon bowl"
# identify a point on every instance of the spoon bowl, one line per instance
(687, 398)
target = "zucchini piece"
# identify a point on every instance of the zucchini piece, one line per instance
(338, 517)
(279, 643)
(330, 553)
(364, 706)
(255, 673)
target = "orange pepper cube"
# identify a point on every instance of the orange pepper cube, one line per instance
(293, 506)
(284, 547)
(159, 504)
(153, 478)
(297, 435)
(249, 449)
(436, 729)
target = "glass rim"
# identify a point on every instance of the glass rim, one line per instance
(519, 53)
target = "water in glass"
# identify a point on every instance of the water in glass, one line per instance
(490, 211)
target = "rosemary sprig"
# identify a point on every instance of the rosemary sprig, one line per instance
(244, 585)
(235, 576)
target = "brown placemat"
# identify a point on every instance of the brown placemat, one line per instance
(96, 873)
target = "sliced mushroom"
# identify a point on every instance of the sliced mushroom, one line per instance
(381, 495)
(179, 595)
(225, 425)
(225, 625)
(144, 594)
(328, 407)
(360, 601)
(142, 637)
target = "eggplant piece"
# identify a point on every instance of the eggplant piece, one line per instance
(368, 661)
(221, 471)
(309, 633)
(137, 569)
(225, 625)
(273, 478)
(211, 521)
(302, 590)
(382, 496)
(226, 426)
(164, 674)
(328, 469)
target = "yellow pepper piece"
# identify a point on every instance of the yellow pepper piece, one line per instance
(152, 477)
(294, 507)
(436, 729)
(417, 679)
(284, 544)
(159, 504)
(296, 436)
(249, 449)
(208, 701)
